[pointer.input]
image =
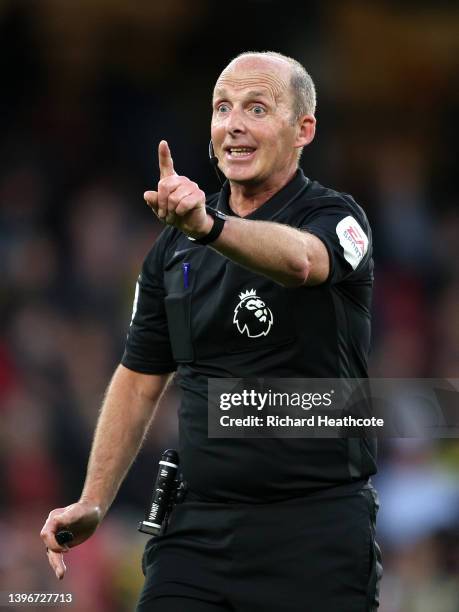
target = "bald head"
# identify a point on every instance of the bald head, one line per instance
(286, 71)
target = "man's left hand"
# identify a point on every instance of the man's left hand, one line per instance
(178, 201)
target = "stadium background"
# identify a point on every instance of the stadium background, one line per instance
(88, 88)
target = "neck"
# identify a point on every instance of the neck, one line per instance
(245, 198)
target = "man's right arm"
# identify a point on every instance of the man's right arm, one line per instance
(126, 413)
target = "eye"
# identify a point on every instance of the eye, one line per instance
(222, 108)
(258, 110)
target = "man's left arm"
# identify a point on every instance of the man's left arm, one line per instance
(289, 256)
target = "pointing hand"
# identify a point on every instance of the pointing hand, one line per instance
(178, 201)
(166, 163)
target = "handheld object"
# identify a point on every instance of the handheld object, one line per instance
(64, 536)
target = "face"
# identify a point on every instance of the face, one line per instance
(252, 130)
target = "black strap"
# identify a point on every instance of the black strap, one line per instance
(217, 228)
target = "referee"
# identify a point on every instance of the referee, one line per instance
(271, 277)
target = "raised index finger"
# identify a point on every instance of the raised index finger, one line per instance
(166, 165)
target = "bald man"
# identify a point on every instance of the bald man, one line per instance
(270, 277)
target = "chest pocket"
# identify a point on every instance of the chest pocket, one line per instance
(179, 278)
(178, 311)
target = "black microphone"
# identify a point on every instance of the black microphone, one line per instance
(214, 161)
(165, 487)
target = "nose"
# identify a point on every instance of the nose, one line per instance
(235, 122)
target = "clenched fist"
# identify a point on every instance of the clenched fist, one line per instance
(178, 201)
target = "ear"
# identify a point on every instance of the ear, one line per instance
(306, 130)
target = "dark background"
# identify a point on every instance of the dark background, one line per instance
(87, 90)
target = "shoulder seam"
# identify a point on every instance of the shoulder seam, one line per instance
(337, 196)
(345, 198)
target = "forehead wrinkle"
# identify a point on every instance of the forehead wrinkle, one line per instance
(222, 93)
(260, 79)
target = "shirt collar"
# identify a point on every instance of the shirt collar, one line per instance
(275, 204)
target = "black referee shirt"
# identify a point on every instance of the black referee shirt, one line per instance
(199, 313)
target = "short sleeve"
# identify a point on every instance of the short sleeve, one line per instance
(346, 233)
(148, 348)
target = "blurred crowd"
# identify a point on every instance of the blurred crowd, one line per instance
(87, 92)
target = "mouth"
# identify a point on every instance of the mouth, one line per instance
(239, 153)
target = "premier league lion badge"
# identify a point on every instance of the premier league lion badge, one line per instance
(252, 316)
